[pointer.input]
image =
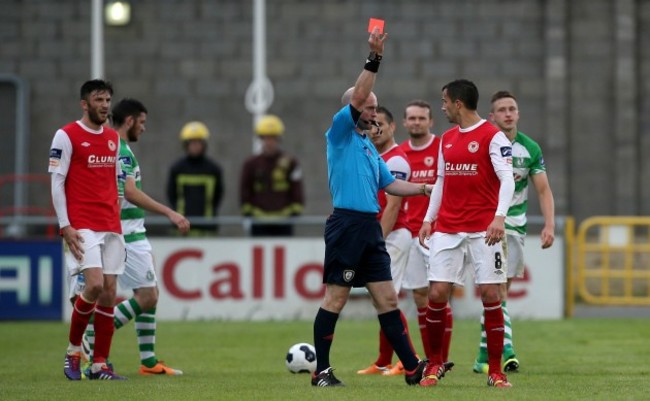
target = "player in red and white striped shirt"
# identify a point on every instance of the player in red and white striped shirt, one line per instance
(469, 203)
(84, 168)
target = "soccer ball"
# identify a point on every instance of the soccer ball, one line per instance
(301, 358)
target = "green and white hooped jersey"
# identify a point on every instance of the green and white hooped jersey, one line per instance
(132, 216)
(527, 160)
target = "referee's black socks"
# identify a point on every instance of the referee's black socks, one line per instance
(324, 326)
(396, 333)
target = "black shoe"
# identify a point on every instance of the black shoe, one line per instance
(326, 378)
(413, 379)
(448, 365)
(511, 365)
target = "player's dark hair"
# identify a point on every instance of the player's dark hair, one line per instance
(127, 108)
(387, 113)
(419, 103)
(95, 85)
(463, 90)
(502, 95)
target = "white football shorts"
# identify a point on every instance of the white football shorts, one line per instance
(105, 250)
(453, 254)
(140, 271)
(515, 255)
(416, 269)
(397, 245)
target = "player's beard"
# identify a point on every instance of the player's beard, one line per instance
(132, 135)
(418, 134)
(94, 116)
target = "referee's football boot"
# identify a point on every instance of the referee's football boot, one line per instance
(325, 378)
(414, 377)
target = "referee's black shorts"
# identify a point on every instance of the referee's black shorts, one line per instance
(355, 250)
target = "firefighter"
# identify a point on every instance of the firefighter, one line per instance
(195, 184)
(271, 183)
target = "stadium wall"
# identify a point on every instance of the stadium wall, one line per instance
(578, 67)
(243, 279)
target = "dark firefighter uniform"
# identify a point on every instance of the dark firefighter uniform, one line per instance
(271, 183)
(195, 184)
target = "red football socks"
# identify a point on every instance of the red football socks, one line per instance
(81, 313)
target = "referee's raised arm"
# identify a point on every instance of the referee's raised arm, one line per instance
(366, 80)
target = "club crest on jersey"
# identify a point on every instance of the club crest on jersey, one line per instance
(429, 160)
(473, 147)
(111, 146)
(348, 275)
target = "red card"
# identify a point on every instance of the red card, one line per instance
(376, 23)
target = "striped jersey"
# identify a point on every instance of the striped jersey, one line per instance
(132, 216)
(527, 160)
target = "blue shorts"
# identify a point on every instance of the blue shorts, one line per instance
(355, 250)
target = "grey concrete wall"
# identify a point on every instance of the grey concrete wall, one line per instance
(191, 59)
(642, 104)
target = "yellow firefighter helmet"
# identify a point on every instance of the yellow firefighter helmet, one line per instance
(194, 130)
(269, 125)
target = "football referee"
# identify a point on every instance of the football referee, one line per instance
(355, 251)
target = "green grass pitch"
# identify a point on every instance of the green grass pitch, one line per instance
(580, 359)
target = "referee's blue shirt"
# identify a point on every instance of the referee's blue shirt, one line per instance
(355, 170)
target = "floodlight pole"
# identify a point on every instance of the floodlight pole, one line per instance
(259, 95)
(97, 40)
